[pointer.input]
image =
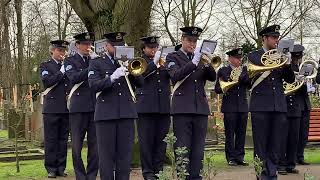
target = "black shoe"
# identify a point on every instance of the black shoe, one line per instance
(52, 175)
(232, 163)
(293, 171)
(302, 162)
(62, 174)
(282, 172)
(242, 163)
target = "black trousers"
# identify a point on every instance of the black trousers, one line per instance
(190, 131)
(267, 129)
(152, 129)
(235, 124)
(56, 132)
(82, 124)
(303, 134)
(290, 144)
(115, 143)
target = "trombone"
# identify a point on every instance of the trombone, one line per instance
(136, 67)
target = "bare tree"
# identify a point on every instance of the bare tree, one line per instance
(252, 16)
(184, 13)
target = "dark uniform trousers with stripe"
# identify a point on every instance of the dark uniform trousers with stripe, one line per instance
(153, 109)
(82, 118)
(55, 116)
(235, 109)
(268, 109)
(114, 117)
(190, 108)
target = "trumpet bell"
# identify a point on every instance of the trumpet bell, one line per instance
(225, 86)
(137, 66)
(214, 61)
(314, 65)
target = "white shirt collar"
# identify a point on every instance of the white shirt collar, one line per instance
(109, 56)
(56, 61)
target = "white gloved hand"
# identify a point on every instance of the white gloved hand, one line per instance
(288, 55)
(119, 72)
(93, 55)
(62, 69)
(310, 87)
(156, 57)
(196, 57)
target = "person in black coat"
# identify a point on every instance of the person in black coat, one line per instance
(268, 105)
(153, 108)
(303, 97)
(235, 108)
(289, 148)
(55, 112)
(189, 105)
(115, 110)
(81, 106)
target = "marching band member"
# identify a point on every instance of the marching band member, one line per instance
(153, 108)
(115, 111)
(305, 105)
(287, 162)
(190, 108)
(268, 105)
(81, 106)
(55, 112)
(234, 108)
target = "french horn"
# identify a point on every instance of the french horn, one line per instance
(270, 60)
(290, 88)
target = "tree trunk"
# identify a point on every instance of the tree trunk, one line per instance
(19, 63)
(7, 68)
(101, 16)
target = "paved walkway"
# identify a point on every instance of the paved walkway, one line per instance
(239, 173)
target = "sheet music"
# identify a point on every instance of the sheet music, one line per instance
(126, 52)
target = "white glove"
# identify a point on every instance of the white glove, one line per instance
(289, 58)
(196, 57)
(62, 69)
(119, 72)
(93, 55)
(156, 57)
(310, 88)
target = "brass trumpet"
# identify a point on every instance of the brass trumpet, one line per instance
(214, 61)
(290, 88)
(270, 60)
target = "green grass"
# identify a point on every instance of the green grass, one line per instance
(3, 134)
(312, 156)
(35, 169)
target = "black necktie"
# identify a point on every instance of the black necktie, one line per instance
(189, 56)
(86, 60)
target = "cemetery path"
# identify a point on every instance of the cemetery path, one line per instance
(238, 173)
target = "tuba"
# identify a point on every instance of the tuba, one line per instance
(270, 60)
(234, 76)
(301, 77)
